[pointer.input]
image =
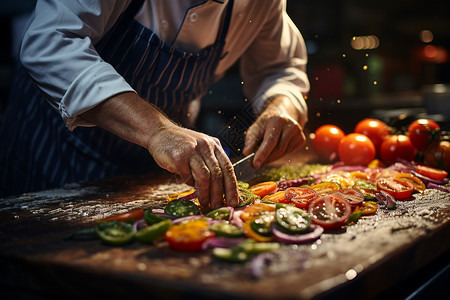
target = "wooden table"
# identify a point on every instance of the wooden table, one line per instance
(360, 261)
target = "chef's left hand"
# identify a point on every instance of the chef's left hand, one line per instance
(275, 133)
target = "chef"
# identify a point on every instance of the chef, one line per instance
(110, 87)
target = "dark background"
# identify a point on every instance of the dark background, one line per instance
(342, 92)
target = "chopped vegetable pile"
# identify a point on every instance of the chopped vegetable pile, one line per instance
(272, 213)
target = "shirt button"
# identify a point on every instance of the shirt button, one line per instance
(193, 17)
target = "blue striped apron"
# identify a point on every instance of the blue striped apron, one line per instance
(38, 152)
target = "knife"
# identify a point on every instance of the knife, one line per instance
(243, 168)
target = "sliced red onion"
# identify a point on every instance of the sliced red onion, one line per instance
(161, 213)
(190, 196)
(259, 263)
(438, 187)
(137, 224)
(315, 231)
(407, 163)
(428, 180)
(349, 168)
(401, 167)
(236, 219)
(190, 218)
(386, 199)
(221, 242)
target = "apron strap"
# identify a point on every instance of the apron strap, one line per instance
(226, 23)
(133, 8)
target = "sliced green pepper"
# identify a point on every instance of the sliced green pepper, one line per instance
(293, 219)
(115, 232)
(261, 225)
(225, 229)
(150, 233)
(246, 197)
(182, 208)
(222, 213)
(151, 218)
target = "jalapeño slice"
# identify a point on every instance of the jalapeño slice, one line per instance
(225, 229)
(261, 225)
(182, 208)
(150, 233)
(222, 213)
(115, 232)
(246, 197)
(293, 219)
(151, 218)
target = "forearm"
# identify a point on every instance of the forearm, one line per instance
(129, 117)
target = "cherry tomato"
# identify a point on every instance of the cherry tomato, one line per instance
(353, 196)
(324, 188)
(397, 188)
(420, 131)
(263, 188)
(418, 184)
(301, 196)
(430, 172)
(437, 155)
(397, 146)
(368, 208)
(188, 236)
(356, 149)
(278, 197)
(329, 211)
(253, 211)
(326, 141)
(132, 215)
(374, 129)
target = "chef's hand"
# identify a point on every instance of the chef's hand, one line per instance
(275, 133)
(200, 160)
(197, 157)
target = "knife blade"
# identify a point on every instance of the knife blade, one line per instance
(243, 168)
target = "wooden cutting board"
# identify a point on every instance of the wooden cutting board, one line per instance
(360, 261)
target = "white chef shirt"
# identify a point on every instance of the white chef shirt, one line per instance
(58, 52)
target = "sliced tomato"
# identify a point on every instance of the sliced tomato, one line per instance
(278, 197)
(353, 196)
(418, 184)
(397, 188)
(340, 180)
(255, 210)
(132, 215)
(263, 188)
(431, 172)
(188, 236)
(368, 208)
(324, 188)
(301, 196)
(329, 211)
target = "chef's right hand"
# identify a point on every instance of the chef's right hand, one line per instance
(200, 160)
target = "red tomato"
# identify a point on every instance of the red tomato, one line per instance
(356, 149)
(397, 188)
(375, 130)
(188, 236)
(354, 196)
(263, 188)
(437, 155)
(420, 131)
(329, 211)
(132, 215)
(397, 146)
(301, 196)
(326, 141)
(432, 173)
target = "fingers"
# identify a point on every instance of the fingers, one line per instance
(281, 136)
(213, 174)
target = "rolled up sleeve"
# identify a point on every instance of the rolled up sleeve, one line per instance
(58, 53)
(275, 63)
